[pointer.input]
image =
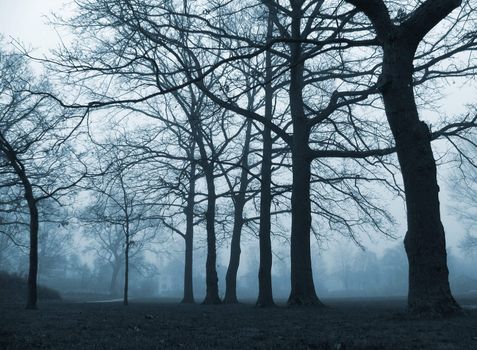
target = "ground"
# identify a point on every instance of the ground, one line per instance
(343, 324)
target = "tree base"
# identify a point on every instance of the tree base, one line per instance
(295, 300)
(212, 301)
(188, 301)
(31, 307)
(265, 303)
(230, 300)
(423, 308)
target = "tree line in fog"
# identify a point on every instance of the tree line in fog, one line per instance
(212, 122)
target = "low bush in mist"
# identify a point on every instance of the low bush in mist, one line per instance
(13, 288)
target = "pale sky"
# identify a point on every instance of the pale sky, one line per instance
(25, 20)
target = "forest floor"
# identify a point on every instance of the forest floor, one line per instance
(344, 324)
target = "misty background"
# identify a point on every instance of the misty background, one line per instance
(73, 260)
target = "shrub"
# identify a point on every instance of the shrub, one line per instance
(13, 288)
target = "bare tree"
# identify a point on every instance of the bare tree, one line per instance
(429, 290)
(121, 203)
(164, 49)
(33, 134)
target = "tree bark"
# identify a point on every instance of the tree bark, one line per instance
(126, 272)
(239, 204)
(265, 292)
(127, 238)
(189, 238)
(429, 291)
(32, 293)
(33, 267)
(234, 262)
(211, 279)
(302, 286)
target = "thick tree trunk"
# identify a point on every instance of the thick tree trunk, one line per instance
(32, 294)
(239, 204)
(265, 292)
(429, 291)
(302, 286)
(189, 239)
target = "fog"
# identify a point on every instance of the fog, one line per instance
(71, 262)
(341, 268)
(189, 174)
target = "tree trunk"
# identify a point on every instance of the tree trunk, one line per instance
(189, 238)
(33, 268)
(211, 279)
(302, 286)
(126, 272)
(212, 282)
(429, 291)
(265, 292)
(32, 294)
(239, 203)
(188, 269)
(231, 276)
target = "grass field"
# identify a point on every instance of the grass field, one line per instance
(343, 324)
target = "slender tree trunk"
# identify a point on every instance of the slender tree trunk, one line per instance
(189, 238)
(33, 268)
(265, 292)
(126, 272)
(239, 204)
(212, 281)
(188, 271)
(231, 276)
(429, 290)
(302, 286)
(127, 237)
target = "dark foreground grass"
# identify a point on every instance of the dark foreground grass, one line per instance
(344, 324)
